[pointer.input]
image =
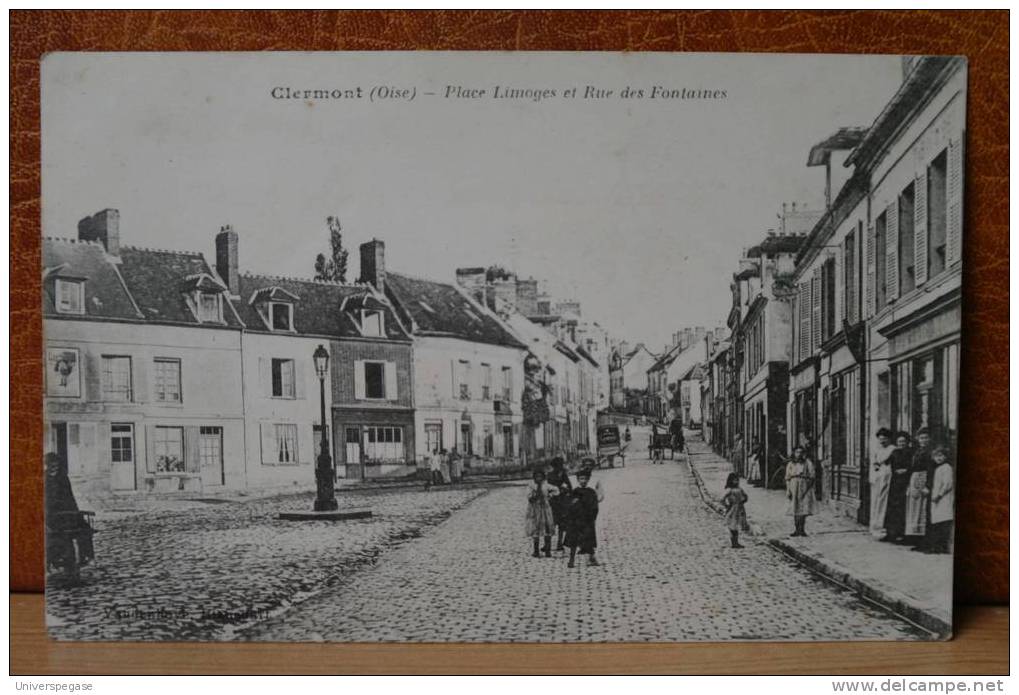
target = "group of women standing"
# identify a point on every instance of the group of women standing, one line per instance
(556, 507)
(912, 491)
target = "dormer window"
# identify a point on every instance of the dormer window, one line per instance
(372, 324)
(70, 296)
(281, 316)
(210, 307)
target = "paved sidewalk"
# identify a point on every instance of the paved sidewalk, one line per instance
(915, 585)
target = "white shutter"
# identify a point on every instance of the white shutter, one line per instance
(390, 377)
(301, 378)
(892, 251)
(869, 294)
(88, 450)
(265, 376)
(953, 250)
(359, 380)
(815, 310)
(268, 435)
(920, 228)
(452, 379)
(804, 309)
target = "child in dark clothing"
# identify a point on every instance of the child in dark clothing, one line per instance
(734, 501)
(581, 515)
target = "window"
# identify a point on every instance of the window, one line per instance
(466, 439)
(907, 267)
(283, 379)
(488, 443)
(486, 382)
(375, 380)
(849, 276)
(209, 307)
(937, 214)
(383, 444)
(828, 328)
(507, 440)
(168, 448)
(121, 443)
(115, 378)
(880, 264)
(281, 316)
(371, 324)
(286, 443)
(70, 296)
(167, 387)
(463, 380)
(507, 383)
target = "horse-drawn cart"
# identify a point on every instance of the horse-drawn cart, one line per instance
(610, 446)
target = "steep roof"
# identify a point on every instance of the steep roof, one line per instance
(695, 373)
(106, 296)
(440, 309)
(320, 308)
(845, 138)
(665, 360)
(777, 243)
(159, 280)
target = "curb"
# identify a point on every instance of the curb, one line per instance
(887, 598)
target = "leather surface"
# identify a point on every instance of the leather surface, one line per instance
(982, 36)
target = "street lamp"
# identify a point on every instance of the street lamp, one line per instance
(325, 499)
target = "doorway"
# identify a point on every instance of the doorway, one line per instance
(122, 456)
(352, 451)
(210, 453)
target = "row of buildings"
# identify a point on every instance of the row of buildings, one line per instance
(852, 322)
(166, 374)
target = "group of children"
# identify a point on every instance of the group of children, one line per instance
(555, 507)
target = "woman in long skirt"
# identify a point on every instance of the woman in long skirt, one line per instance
(539, 523)
(899, 464)
(916, 499)
(880, 480)
(799, 486)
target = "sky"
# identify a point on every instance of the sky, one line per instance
(637, 207)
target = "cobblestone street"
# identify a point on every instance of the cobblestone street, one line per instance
(667, 574)
(200, 572)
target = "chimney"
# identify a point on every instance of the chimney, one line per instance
(226, 258)
(104, 227)
(373, 263)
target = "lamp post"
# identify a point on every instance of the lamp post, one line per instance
(325, 499)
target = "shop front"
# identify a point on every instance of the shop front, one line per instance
(373, 444)
(924, 366)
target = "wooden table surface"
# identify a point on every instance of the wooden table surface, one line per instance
(980, 647)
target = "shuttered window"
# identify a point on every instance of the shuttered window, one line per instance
(921, 262)
(803, 302)
(892, 252)
(880, 263)
(937, 214)
(955, 200)
(849, 275)
(907, 240)
(815, 310)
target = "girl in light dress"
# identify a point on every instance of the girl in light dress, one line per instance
(539, 522)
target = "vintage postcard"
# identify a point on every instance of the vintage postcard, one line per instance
(501, 347)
